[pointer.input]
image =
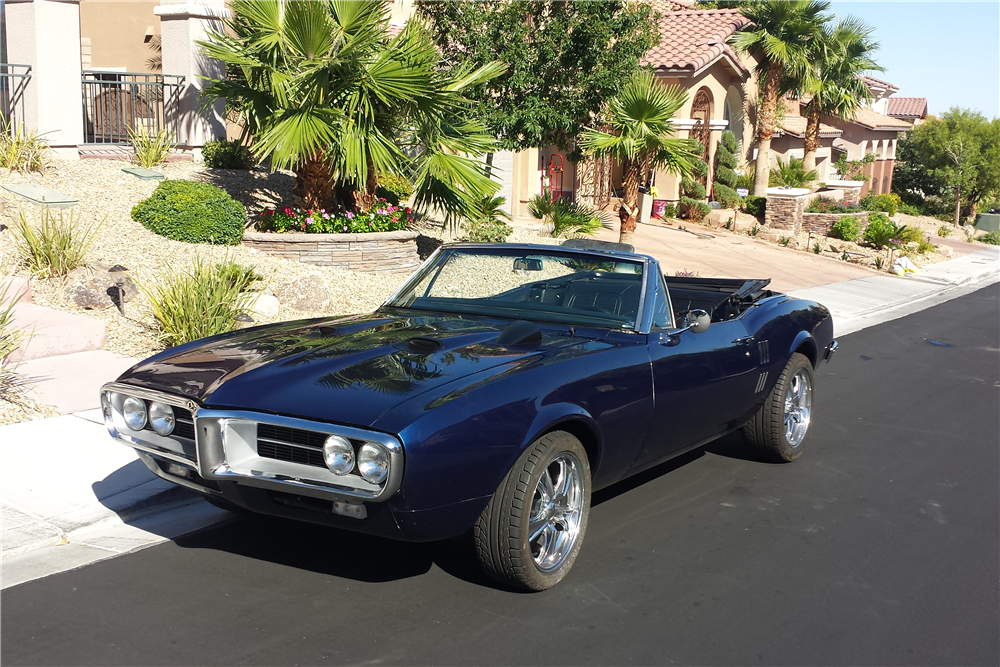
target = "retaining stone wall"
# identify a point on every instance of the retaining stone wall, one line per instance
(822, 222)
(784, 213)
(383, 252)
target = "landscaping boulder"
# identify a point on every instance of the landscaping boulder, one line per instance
(945, 250)
(310, 293)
(93, 287)
(263, 306)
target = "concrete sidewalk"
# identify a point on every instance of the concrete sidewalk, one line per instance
(70, 495)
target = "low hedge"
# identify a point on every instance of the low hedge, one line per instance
(755, 206)
(394, 189)
(222, 154)
(192, 212)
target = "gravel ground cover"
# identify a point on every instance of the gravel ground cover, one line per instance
(106, 193)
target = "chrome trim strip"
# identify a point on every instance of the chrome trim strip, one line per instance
(830, 351)
(289, 444)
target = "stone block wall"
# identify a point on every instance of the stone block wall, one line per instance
(852, 196)
(785, 213)
(383, 252)
(822, 222)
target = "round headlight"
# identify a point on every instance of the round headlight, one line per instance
(373, 462)
(338, 455)
(134, 412)
(161, 418)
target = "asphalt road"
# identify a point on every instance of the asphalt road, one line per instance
(879, 546)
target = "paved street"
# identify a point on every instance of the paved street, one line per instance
(880, 546)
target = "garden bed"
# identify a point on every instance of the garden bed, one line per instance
(820, 223)
(382, 252)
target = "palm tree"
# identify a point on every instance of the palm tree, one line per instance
(780, 36)
(642, 136)
(839, 59)
(325, 91)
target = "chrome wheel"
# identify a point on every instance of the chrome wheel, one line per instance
(798, 408)
(556, 512)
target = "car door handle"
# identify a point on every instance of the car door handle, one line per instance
(746, 340)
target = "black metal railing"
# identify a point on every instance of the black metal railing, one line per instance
(116, 102)
(13, 82)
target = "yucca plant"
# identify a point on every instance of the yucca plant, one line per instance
(150, 149)
(22, 150)
(792, 174)
(202, 301)
(56, 244)
(12, 383)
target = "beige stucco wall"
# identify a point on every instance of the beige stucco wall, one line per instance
(117, 32)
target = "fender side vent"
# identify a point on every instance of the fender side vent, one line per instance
(761, 382)
(765, 352)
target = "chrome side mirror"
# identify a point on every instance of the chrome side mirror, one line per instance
(697, 321)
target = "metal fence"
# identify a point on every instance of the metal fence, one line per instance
(116, 102)
(13, 82)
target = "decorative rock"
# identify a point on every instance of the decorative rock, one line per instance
(263, 306)
(309, 293)
(945, 250)
(93, 287)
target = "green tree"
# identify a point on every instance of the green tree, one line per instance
(838, 60)
(724, 188)
(326, 92)
(780, 37)
(642, 136)
(564, 59)
(957, 155)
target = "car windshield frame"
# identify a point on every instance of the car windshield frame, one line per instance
(481, 307)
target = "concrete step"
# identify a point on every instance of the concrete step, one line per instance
(14, 289)
(71, 382)
(55, 332)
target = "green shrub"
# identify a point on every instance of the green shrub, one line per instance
(192, 212)
(692, 209)
(848, 228)
(568, 219)
(692, 189)
(193, 304)
(944, 231)
(880, 230)
(487, 231)
(150, 149)
(22, 150)
(791, 174)
(669, 211)
(754, 205)
(237, 275)
(726, 176)
(222, 154)
(829, 205)
(53, 246)
(700, 169)
(885, 202)
(394, 189)
(910, 209)
(993, 238)
(726, 196)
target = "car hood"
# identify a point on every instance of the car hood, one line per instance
(348, 370)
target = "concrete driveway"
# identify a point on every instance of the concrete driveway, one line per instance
(736, 256)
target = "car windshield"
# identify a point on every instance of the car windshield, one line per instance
(529, 283)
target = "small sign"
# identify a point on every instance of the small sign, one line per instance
(742, 192)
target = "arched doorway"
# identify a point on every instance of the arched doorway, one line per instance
(701, 113)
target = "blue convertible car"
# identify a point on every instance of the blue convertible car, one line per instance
(491, 394)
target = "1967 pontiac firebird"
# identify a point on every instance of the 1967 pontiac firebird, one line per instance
(491, 394)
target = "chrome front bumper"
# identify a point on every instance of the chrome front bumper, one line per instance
(830, 349)
(224, 449)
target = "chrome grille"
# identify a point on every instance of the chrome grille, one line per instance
(290, 444)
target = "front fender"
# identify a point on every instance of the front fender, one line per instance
(572, 418)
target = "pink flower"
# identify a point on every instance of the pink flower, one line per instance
(326, 216)
(350, 216)
(309, 220)
(345, 228)
(288, 210)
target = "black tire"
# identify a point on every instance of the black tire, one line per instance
(766, 432)
(501, 532)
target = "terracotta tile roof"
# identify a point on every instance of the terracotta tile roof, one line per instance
(693, 40)
(393, 29)
(907, 107)
(796, 127)
(873, 120)
(879, 83)
(666, 6)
